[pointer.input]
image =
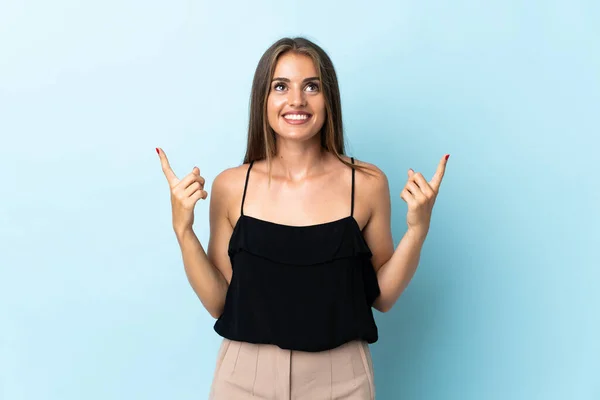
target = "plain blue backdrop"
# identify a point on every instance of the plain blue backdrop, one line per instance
(94, 300)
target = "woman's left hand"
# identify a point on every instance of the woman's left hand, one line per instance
(420, 196)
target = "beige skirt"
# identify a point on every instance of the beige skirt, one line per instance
(264, 371)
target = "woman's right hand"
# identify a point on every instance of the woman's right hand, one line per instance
(184, 194)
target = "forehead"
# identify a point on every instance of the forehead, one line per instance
(295, 66)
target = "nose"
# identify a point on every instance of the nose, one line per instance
(296, 98)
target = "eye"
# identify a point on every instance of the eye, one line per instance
(277, 84)
(315, 85)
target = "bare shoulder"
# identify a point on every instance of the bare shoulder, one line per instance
(227, 188)
(371, 179)
(229, 178)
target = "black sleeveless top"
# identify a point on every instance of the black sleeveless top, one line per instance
(307, 288)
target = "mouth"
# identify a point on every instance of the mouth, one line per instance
(297, 118)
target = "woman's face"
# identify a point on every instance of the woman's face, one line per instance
(295, 104)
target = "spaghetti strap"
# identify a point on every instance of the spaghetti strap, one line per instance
(352, 199)
(246, 186)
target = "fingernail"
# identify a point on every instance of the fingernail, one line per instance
(447, 156)
(157, 151)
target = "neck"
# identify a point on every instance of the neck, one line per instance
(296, 161)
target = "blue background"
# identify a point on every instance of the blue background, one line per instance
(94, 299)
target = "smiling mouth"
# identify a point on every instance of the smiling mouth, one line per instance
(297, 119)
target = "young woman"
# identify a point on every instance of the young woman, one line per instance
(300, 247)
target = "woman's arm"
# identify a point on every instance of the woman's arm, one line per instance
(395, 273)
(207, 281)
(395, 268)
(209, 273)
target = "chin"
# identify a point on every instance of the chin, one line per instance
(297, 135)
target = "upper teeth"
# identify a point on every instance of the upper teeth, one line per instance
(296, 116)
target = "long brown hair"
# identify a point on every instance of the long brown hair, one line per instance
(261, 137)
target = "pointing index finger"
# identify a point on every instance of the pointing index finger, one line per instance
(436, 181)
(166, 167)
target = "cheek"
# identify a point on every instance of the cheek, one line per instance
(319, 105)
(274, 108)
(322, 113)
(274, 104)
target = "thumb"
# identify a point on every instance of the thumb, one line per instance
(196, 171)
(410, 172)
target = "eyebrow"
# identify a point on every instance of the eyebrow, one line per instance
(314, 78)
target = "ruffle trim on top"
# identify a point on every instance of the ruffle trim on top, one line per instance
(299, 245)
